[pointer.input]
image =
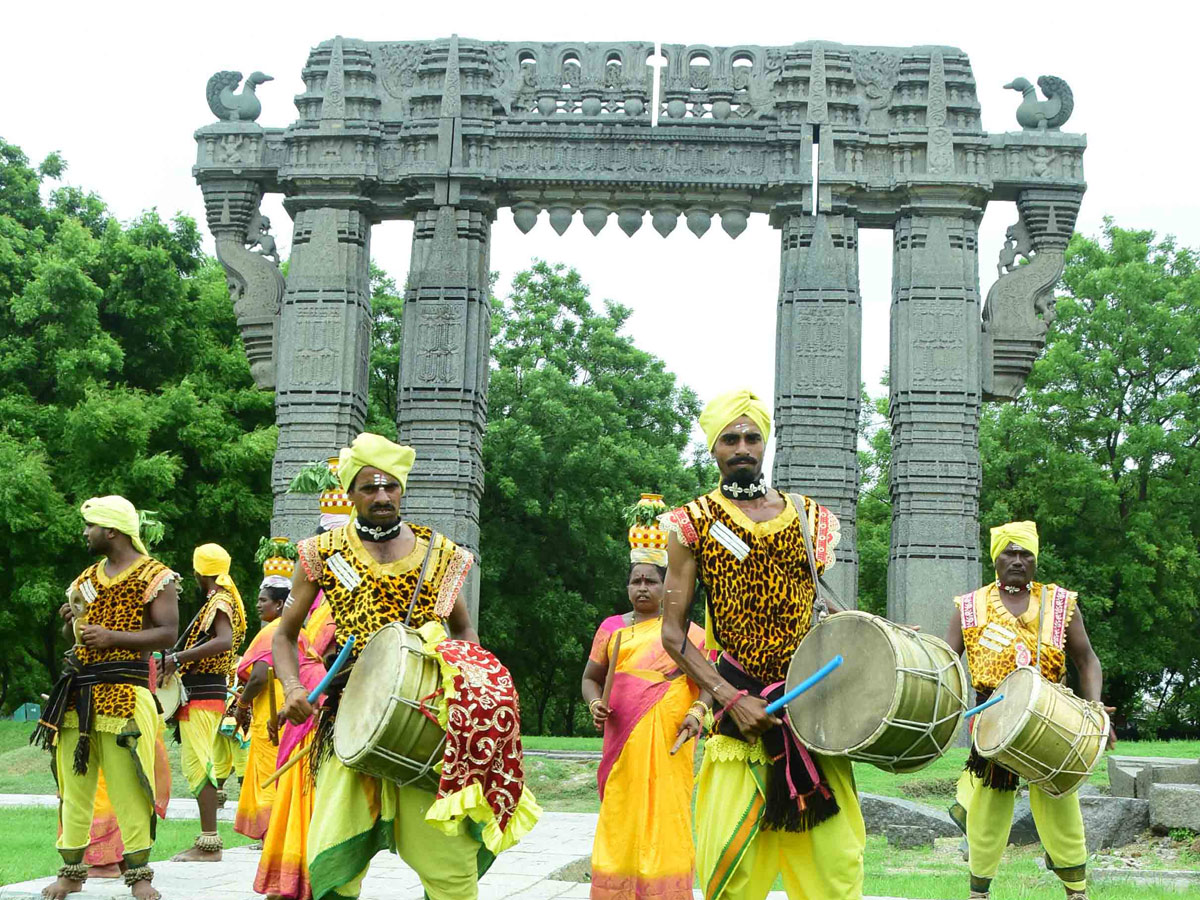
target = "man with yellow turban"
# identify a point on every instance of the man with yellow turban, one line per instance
(765, 806)
(1010, 622)
(120, 610)
(375, 571)
(206, 663)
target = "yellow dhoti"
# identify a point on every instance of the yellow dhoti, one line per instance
(738, 860)
(124, 750)
(198, 736)
(356, 816)
(989, 812)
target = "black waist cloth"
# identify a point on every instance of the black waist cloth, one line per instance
(990, 772)
(76, 683)
(794, 800)
(205, 686)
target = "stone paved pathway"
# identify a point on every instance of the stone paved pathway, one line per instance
(524, 871)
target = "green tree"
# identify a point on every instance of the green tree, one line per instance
(383, 392)
(1101, 450)
(580, 422)
(874, 504)
(121, 371)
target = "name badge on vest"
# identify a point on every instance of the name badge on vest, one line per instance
(345, 573)
(88, 590)
(720, 533)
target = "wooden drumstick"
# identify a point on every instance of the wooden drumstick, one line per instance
(312, 698)
(296, 757)
(612, 670)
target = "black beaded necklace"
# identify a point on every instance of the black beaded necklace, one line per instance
(378, 535)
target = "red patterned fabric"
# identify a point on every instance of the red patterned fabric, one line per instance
(483, 735)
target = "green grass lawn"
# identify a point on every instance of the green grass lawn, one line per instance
(941, 874)
(27, 836)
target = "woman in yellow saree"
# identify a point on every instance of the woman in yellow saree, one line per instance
(254, 717)
(650, 715)
(282, 867)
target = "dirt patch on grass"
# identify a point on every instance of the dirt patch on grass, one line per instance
(930, 789)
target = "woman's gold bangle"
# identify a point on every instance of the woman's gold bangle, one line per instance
(592, 703)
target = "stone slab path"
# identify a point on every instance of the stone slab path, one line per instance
(524, 871)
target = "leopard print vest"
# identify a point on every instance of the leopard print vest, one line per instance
(118, 604)
(223, 663)
(760, 590)
(364, 594)
(997, 642)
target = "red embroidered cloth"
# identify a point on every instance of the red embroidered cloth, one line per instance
(483, 734)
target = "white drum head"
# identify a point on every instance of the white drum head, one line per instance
(849, 706)
(997, 725)
(368, 693)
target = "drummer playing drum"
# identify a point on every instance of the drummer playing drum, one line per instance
(371, 572)
(764, 806)
(998, 626)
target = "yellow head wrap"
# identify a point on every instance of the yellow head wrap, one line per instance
(724, 408)
(378, 452)
(213, 559)
(1023, 534)
(116, 513)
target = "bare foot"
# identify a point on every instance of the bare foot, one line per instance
(112, 870)
(61, 888)
(144, 890)
(195, 854)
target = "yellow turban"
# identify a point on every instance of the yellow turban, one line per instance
(1023, 534)
(213, 559)
(724, 408)
(379, 453)
(116, 513)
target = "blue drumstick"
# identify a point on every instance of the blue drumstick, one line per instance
(803, 686)
(982, 706)
(333, 670)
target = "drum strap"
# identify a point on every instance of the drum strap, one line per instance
(821, 590)
(1041, 618)
(433, 536)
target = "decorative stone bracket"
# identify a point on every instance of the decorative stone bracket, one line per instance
(1020, 305)
(256, 285)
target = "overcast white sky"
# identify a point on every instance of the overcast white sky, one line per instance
(118, 88)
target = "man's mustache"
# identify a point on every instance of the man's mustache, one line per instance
(737, 460)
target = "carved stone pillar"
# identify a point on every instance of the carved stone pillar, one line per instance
(817, 375)
(935, 402)
(444, 374)
(324, 352)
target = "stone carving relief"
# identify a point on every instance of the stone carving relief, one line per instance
(255, 283)
(1020, 305)
(1043, 115)
(940, 159)
(719, 84)
(229, 105)
(398, 69)
(819, 362)
(876, 72)
(536, 81)
(318, 339)
(438, 344)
